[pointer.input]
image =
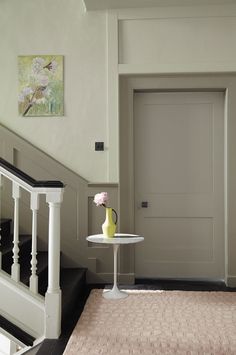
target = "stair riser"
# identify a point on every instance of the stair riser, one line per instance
(71, 301)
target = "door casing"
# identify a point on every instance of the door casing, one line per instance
(178, 83)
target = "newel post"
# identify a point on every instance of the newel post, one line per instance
(53, 294)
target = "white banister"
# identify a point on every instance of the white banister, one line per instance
(53, 190)
(53, 294)
(15, 269)
(34, 205)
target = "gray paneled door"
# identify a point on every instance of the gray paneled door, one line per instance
(179, 181)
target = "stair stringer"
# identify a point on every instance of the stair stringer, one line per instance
(21, 307)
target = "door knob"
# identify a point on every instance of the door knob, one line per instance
(144, 204)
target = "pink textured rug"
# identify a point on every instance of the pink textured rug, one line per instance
(157, 322)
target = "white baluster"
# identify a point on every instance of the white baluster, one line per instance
(15, 268)
(53, 294)
(34, 205)
(0, 217)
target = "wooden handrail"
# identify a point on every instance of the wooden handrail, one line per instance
(28, 179)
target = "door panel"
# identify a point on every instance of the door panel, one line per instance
(179, 160)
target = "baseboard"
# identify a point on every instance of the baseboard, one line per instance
(231, 281)
(125, 279)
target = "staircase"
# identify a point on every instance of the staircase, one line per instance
(37, 295)
(72, 281)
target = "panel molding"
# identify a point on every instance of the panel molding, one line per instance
(176, 44)
(183, 68)
(112, 96)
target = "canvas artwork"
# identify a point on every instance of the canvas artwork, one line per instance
(41, 85)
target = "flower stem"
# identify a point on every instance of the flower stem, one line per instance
(27, 109)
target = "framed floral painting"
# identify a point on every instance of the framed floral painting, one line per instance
(41, 87)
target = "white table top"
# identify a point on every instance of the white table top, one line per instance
(119, 238)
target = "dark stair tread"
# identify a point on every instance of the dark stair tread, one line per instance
(18, 333)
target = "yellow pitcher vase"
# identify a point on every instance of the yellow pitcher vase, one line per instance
(109, 226)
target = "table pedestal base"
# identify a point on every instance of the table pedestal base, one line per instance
(114, 294)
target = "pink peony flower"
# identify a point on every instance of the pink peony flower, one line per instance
(101, 199)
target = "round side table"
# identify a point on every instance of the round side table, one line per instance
(116, 241)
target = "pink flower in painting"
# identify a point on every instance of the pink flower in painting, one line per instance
(37, 65)
(41, 74)
(24, 93)
(21, 98)
(101, 199)
(43, 80)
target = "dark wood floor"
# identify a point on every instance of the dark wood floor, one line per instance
(57, 347)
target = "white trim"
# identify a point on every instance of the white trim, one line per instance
(226, 183)
(22, 290)
(39, 341)
(112, 96)
(84, 6)
(228, 10)
(131, 157)
(11, 337)
(186, 68)
(15, 294)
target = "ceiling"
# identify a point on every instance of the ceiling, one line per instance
(92, 5)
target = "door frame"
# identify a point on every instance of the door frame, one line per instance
(176, 83)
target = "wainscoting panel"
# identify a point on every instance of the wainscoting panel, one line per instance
(79, 215)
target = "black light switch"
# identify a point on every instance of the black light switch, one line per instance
(99, 146)
(144, 204)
